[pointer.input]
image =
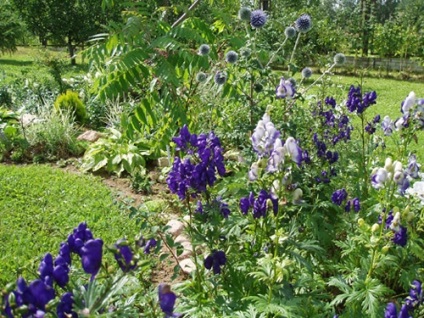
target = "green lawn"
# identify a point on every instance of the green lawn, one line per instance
(39, 207)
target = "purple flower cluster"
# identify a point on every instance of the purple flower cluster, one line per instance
(412, 301)
(371, 127)
(353, 204)
(167, 300)
(124, 256)
(400, 235)
(215, 261)
(217, 204)
(323, 152)
(90, 250)
(259, 205)
(185, 175)
(356, 102)
(339, 196)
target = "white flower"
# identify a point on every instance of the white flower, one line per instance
(409, 102)
(417, 190)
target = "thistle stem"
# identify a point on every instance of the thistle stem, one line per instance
(295, 47)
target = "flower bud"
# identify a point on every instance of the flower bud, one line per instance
(361, 222)
(375, 227)
(385, 249)
(297, 195)
(388, 165)
(397, 166)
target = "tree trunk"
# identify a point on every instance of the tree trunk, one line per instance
(71, 50)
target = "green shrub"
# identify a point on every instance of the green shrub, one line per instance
(71, 102)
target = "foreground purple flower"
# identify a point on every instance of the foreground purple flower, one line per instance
(215, 261)
(167, 300)
(124, 256)
(91, 256)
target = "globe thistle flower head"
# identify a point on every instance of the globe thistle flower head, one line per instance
(258, 19)
(201, 77)
(306, 72)
(220, 77)
(304, 23)
(244, 14)
(204, 49)
(231, 57)
(339, 59)
(290, 32)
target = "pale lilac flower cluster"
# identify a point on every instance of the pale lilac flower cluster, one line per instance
(412, 108)
(285, 89)
(394, 172)
(196, 173)
(268, 145)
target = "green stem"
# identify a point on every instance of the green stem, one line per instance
(275, 53)
(295, 47)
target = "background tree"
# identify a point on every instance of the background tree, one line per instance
(10, 28)
(66, 21)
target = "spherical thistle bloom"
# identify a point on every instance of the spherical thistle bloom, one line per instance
(304, 23)
(258, 19)
(204, 49)
(220, 77)
(244, 14)
(306, 72)
(339, 59)
(290, 32)
(231, 57)
(201, 77)
(215, 261)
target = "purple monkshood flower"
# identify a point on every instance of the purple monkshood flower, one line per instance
(91, 256)
(215, 261)
(199, 207)
(36, 295)
(415, 295)
(223, 208)
(353, 203)
(330, 101)
(80, 235)
(391, 311)
(339, 196)
(356, 102)
(190, 174)
(400, 237)
(64, 308)
(46, 267)
(149, 245)
(124, 256)
(167, 300)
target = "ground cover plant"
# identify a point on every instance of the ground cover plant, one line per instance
(294, 203)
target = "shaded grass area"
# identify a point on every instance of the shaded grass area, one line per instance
(39, 207)
(31, 62)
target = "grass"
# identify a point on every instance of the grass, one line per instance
(39, 207)
(29, 62)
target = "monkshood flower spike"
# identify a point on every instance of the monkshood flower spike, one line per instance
(215, 261)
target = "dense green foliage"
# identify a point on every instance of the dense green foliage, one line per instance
(70, 102)
(10, 28)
